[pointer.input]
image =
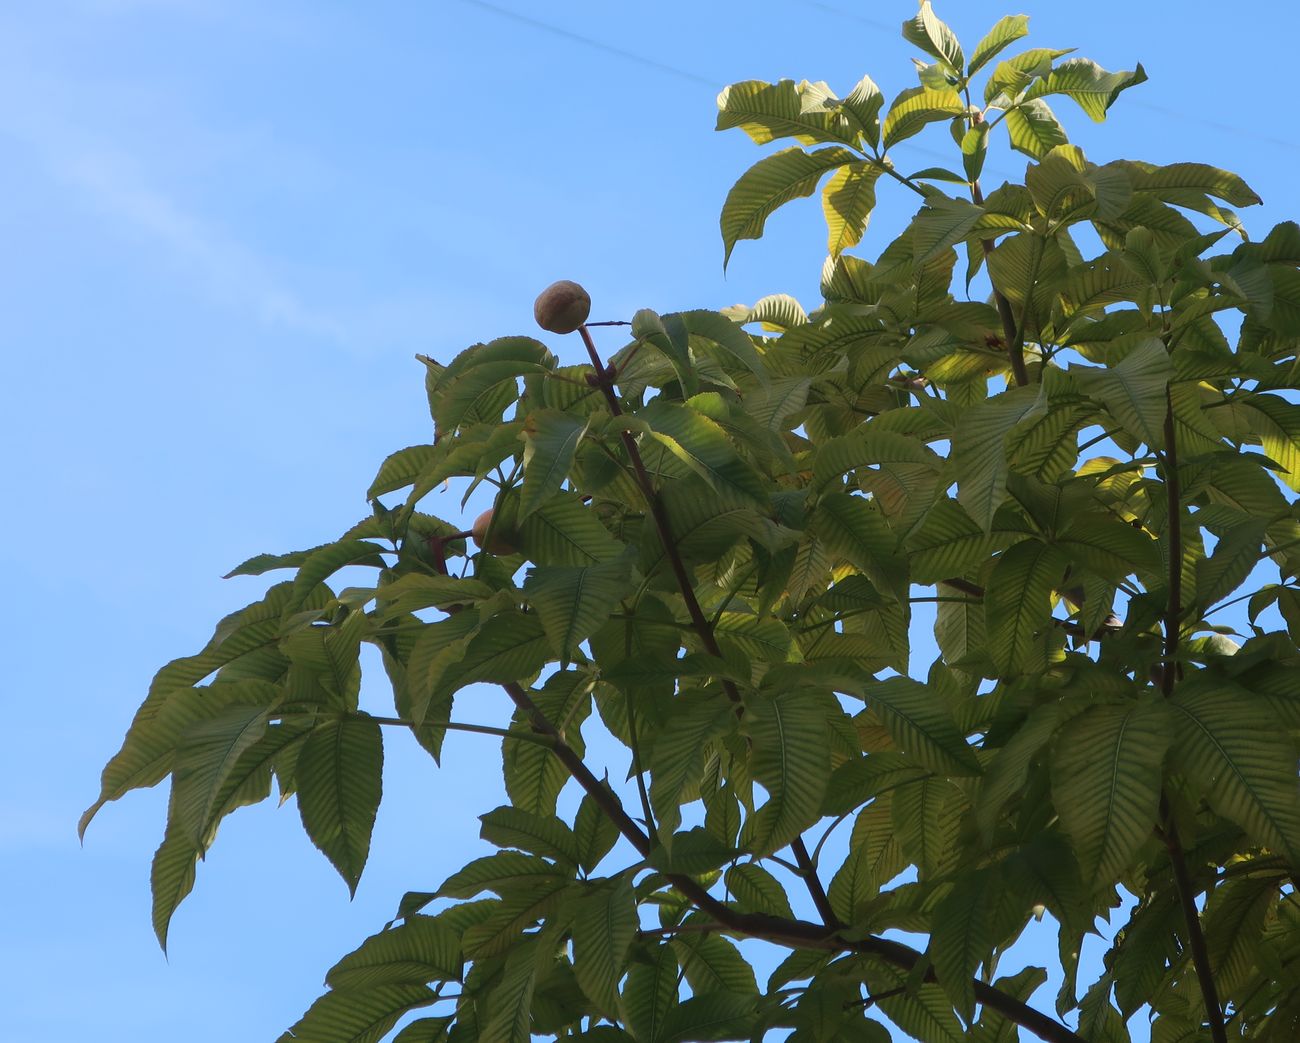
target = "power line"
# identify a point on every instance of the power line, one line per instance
(651, 63)
(874, 23)
(599, 45)
(1179, 114)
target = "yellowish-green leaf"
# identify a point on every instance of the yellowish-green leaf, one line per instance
(1006, 31)
(914, 108)
(770, 183)
(847, 202)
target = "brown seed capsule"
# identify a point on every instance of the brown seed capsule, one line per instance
(562, 307)
(497, 544)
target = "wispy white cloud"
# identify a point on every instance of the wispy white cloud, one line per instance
(227, 268)
(59, 128)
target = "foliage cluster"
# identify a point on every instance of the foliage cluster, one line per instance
(714, 541)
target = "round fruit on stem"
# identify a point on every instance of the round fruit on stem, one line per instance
(495, 543)
(562, 307)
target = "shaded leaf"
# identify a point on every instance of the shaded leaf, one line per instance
(1106, 782)
(339, 775)
(769, 184)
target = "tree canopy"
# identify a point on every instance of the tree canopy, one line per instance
(1062, 412)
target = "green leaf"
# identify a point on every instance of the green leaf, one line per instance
(1033, 128)
(416, 591)
(962, 938)
(1230, 745)
(913, 108)
(981, 453)
(755, 890)
(773, 405)
(650, 994)
(510, 646)
(947, 543)
(675, 758)
(1106, 780)
(208, 755)
(260, 564)
(604, 924)
(862, 105)
(791, 760)
(769, 184)
(1005, 32)
(1018, 602)
(853, 885)
(483, 380)
(1276, 422)
(503, 872)
(702, 445)
(418, 951)
(539, 834)
(509, 1006)
(919, 722)
(768, 111)
(358, 1016)
(551, 440)
(994, 1027)
(776, 312)
(339, 776)
(434, 656)
(249, 778)
(853, 529)
(922, 1011)
(1087, 83)
(1133, 391)
(712, 964)
(327, 560)
(1006, 776)
(941, 224)
(1013, 75)
(847, 201)
(171, 877)
(1235, 916)
(401, 469)
(864, 447)
(564, 531)
(1235, 555)
(574, 601)
(1165, 182)
(426, 1030)
(959, 629)
(933, 36)
(172, 705)
(715, 331)
(595, 832)
(710, 1016)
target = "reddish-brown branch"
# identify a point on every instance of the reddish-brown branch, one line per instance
(1014, 337)
(790, 932)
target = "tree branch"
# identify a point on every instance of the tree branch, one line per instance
(657, 514)
(808, 870)
(1168, 679)
(795, 933)
(1014, 337)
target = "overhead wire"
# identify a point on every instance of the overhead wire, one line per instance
(652, 63)
(1137, 103)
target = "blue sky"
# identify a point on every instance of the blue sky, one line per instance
(227, 227)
